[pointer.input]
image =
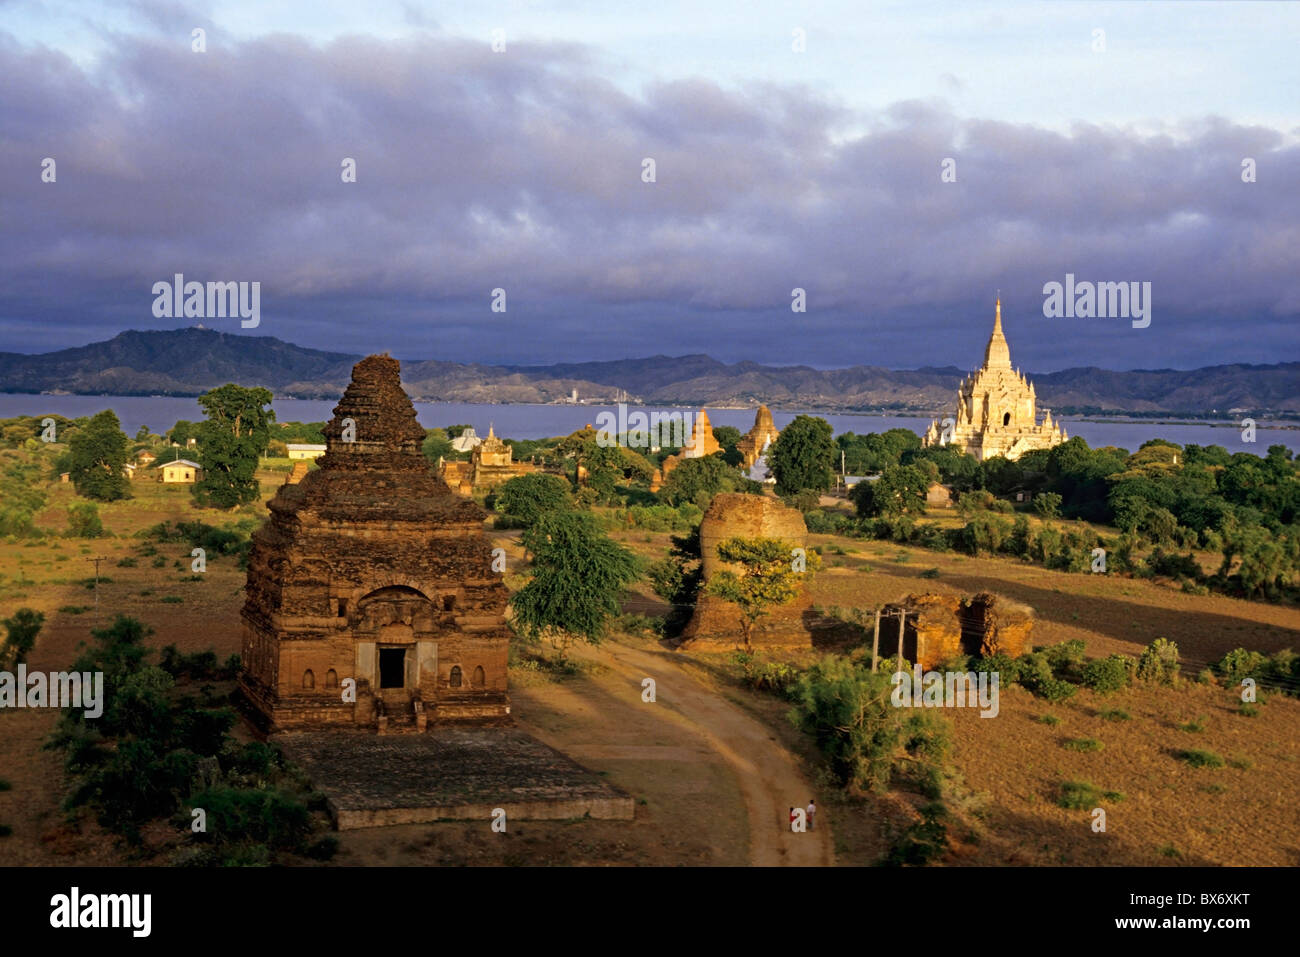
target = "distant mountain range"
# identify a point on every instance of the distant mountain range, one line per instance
(190, 361)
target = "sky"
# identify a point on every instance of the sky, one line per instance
(795, 146)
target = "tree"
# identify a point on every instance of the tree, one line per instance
(767, 577)
(1047, 504)
(577, 581)
(183, 431)
(96, 457)
(142, 434)
(698, 480)
(236, 430)
(437, 445)
(900, 490)
(20, 636)
(803, 456)
(84, 521)
(528, 497)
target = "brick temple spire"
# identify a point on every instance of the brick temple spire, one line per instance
(383, 430)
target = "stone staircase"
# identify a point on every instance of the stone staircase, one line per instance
(397, 712)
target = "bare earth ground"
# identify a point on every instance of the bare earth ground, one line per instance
(717, 766)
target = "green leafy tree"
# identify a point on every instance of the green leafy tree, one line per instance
(437, 445)
(21, 631)
(803, 456)
(84, 521)
(528, 497)
(1047, 504)
(96, 457)
(578, 577)
(769, 575)
(232, 437)
(900, 490)
(698, 480)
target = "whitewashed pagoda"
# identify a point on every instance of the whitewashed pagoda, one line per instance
(996, 409)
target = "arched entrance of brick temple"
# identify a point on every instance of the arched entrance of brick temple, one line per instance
(394, 629)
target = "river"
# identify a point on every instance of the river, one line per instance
(159, 413)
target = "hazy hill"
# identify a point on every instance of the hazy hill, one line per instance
(190, 361)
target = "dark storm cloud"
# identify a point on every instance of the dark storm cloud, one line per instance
(522, 170)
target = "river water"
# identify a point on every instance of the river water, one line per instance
(159, 413)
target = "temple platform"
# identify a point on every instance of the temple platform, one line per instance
(374, 780)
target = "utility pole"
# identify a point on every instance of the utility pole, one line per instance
(902, 619)
(875, 641)
(97, 560)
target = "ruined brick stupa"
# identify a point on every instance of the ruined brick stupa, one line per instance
(737, 515)
(371, 569)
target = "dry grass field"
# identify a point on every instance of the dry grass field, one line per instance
(692, 800)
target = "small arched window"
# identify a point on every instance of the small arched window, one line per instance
(331, 679)
(448, 602)
(455, 676)
(308, 679)
(479, 679)
(1006, 418)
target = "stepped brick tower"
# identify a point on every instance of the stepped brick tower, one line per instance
(371, 597)
(996, 409)
(754, 442)
(702, 443)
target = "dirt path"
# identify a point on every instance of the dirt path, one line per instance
(768, 775)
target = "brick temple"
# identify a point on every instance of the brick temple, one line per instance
(372, 569)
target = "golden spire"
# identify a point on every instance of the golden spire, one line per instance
(997, 355)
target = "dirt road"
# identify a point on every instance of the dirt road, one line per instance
(769, 777)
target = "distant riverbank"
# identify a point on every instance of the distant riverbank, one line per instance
(159, 413)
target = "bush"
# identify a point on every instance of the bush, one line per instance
(1201, 759)
(1082, 796)
(847, 709)
(1239, 663)
(1036, 675)
(1107, 675)
(1006, 667)
(1115, 714)
(21, 631)
(84, 521)
(1159, 662)
(923, 842)
(1082, 744)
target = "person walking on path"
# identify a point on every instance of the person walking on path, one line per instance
(811, 810)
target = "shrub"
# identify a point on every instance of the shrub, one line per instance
(930, 573)
(847, 709)
(1107, 675)
(1159, 662)
(84, 521)
(1239, 663)
(1115, 714)
(1194, 727)
(1050, 720)
(21, 631)
(1036, 675)
(923, 841)
(1082, 796)
(1082, 744)
(1200, 759)
(1006, 668)
(1066, 658)
(127, 562)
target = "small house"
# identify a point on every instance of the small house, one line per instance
(301, 451)
(938, 496)
(145, 457)
(181, 471)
